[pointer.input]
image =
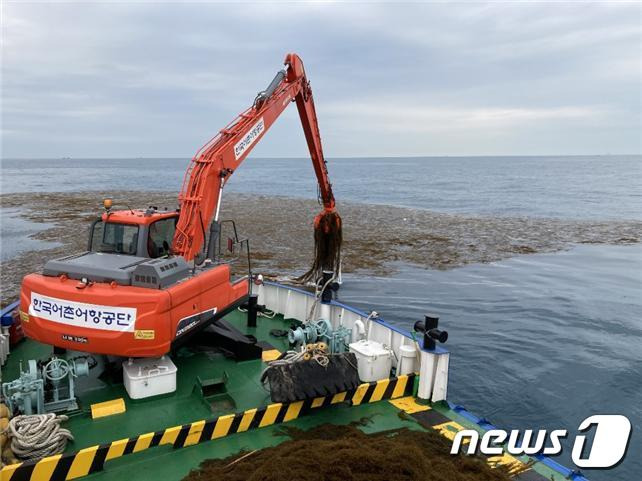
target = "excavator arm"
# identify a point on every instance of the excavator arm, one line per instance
(218, 159)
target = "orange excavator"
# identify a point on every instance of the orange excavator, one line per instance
(151, 278)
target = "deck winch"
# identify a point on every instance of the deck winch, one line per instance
(321, 330)
(46, 386)
(318, 363)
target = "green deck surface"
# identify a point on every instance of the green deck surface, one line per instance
(186, 405)
(183, 406)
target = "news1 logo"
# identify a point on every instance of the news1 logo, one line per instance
(610, 441)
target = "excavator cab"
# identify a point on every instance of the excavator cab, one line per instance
(139, 233)
(128, 247)
(127, 294)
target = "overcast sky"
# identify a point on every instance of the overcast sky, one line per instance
(157, 79)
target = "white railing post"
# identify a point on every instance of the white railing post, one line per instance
(433, 374)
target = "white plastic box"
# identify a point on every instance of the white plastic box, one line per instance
(148, 377)
(374, 361)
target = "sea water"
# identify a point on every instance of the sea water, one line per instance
(537, 341)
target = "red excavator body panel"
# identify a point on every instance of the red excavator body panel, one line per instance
(123, 320)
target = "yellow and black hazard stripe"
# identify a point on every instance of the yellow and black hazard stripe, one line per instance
(90, 460)
(431, 418)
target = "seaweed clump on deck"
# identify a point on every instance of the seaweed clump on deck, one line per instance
(330, 452)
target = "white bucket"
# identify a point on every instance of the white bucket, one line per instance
(407, 357)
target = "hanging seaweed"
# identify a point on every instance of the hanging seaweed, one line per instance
(328, 236)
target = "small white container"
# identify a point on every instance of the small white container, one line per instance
(148, 377)
(407, 356)
(373, 360)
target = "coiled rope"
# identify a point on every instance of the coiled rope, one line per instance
(36, 436)
(309, 352)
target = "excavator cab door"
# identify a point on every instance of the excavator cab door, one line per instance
(160, 236)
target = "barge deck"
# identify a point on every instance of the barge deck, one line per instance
(221, 408)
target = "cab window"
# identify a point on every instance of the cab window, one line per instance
(161, 235)
(114, 238)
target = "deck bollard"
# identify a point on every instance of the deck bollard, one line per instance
(252, 308)
(433, 371)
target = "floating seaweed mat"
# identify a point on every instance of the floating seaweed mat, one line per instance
(343, 453)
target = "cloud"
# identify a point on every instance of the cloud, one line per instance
(158, 79)
(394, 117)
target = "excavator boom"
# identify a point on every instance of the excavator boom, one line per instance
(219, 158)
